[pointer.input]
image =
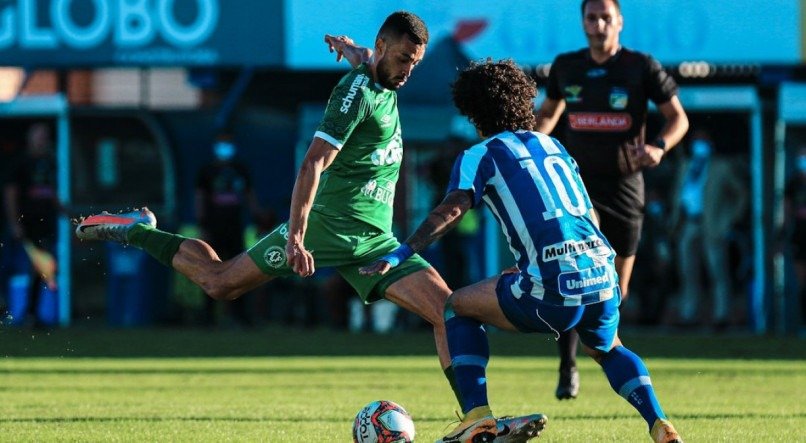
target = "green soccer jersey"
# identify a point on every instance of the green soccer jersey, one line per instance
(362, 121)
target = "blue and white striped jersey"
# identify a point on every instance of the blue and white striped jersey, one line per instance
(533, 188)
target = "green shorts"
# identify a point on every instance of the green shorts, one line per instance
(343, 244)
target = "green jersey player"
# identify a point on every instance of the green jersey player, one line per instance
(341, 205)
(350, 217)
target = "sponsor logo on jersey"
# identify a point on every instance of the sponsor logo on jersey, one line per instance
(378, 193)
(369, 187)
(572, 94)
(275, 257)
(600, 121)
(359, 81)
(619, 98)
(386, 121)
(596, 73)
(571, 248)
(391, 154)
(284, 231)
(582, 283)
(586, 281)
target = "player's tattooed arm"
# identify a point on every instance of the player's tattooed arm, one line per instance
(441, 219)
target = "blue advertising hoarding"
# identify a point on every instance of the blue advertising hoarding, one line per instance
(535, 31)
(288, 33)
(72, 33)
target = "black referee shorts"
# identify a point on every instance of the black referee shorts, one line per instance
(622, 233)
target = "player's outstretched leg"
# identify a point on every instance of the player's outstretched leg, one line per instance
(568, 384)
(193, 258)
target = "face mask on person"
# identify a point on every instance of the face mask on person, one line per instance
(224, 151)
(700, 149)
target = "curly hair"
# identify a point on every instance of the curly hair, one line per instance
(495, 96)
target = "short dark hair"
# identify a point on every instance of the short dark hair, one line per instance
(404, 23)
(495, 96)
(585, 3)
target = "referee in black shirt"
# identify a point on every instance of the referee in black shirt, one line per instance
(603, 89)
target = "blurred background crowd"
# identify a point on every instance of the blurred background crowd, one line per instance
(202, 112)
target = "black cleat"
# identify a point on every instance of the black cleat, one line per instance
(568, 385)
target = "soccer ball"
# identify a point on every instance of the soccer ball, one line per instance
(383, 421)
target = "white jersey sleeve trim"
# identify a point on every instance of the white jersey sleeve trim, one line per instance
(337, 144)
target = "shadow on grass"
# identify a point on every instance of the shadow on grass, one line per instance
(280, 341)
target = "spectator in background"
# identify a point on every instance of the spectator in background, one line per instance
(654, 277)
(795, 224)
(710, 198)
(224, 194)
(603, 89)
(654, 261)
(31, 209)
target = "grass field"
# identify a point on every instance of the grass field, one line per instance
(287, 385)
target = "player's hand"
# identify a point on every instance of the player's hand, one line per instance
(300, 259)
(378, 267)
(651, 156)
(338, 43)
(510, 270)
(388, 261)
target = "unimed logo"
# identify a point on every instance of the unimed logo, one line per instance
(86, 24)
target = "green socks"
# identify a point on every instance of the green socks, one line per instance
(159, 244)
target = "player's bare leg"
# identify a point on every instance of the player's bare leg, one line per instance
(425, 293)
(221, 280)
(193, 258)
